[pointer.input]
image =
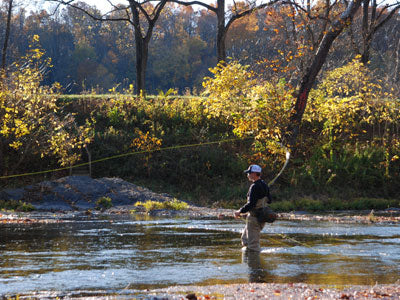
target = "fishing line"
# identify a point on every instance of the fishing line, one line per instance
(124, 155)
(293, 240)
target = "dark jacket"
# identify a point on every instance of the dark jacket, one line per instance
(258, 190)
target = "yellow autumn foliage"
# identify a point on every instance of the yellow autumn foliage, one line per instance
(254, 108)
(349, 104)
(29, 119)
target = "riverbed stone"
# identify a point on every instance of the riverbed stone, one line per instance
(14, 194)
(81, 193)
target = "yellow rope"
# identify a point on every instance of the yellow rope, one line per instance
(123, 155)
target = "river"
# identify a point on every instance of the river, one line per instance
(126, 254)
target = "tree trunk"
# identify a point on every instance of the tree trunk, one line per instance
(142, 42)
(368, 27)
(141, 63)
(221, 49)
(2, 162)
(221, 31)
(397, 68)
(7, 36)
(309, 78)
(140, 55)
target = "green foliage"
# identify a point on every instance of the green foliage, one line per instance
(30, 121)
(16, 205)
(355, 168)
(333, 204)
(252, 108)
(104, 203)
(283, 206)
(173, 204)
(349, 140)
(334, 159)
(125, 124)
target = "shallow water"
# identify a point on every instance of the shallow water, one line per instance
(127, 253)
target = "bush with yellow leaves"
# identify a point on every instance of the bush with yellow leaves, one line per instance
(254, 108)
(30, 120)
(348, 114)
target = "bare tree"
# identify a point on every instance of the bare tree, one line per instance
(316, 62)
(225, 19)
(373, 17)
(142, 15)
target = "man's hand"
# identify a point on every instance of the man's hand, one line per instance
(237, 214)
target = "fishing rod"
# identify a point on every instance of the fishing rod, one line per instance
(287, 155)
(283, 168)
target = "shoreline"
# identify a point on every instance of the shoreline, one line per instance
(236, 291)
(196, 212)
(250, 291)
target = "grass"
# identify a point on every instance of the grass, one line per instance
(104, 203)
(174, 204)
(15, 205)
(117, 96)
(316, 205)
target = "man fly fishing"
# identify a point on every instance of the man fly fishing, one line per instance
(258, 190)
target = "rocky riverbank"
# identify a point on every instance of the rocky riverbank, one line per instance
(244, 291)
(274, 291)
(80, 194)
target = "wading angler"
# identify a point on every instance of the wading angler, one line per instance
(255, 202)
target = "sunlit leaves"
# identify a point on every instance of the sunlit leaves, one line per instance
(227, 91)
(29, 120)
(259, 109)
(147, 143)
(352, 108)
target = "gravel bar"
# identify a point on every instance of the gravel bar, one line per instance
(274, 291)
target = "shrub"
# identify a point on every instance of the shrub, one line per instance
(371, 203)
(174, 204)
(16, 205)
(104, 203)
(283, 206)
(31, 123)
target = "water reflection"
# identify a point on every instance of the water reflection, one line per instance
(122, 253)
(257, 267)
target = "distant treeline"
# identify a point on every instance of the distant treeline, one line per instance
(87, 54)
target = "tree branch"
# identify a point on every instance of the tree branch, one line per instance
(88, 13)
(387, 18)
(317, 62)
(185, 3)
(247, 12)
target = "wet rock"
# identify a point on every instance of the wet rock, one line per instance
(392, 209)
(15, 194)
(191, 297)
(80, 193)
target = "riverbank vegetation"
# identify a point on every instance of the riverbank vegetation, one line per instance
(293, 84)
(346, 157)
(173, 204)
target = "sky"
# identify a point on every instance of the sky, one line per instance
(105, 6)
